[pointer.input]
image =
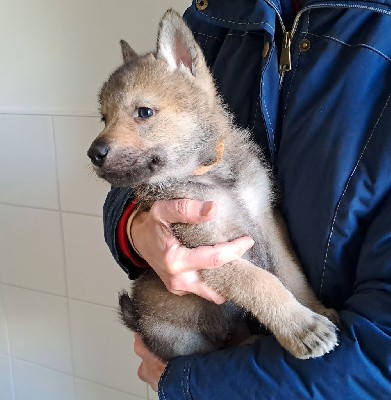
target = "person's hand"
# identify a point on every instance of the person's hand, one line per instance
(175, 264)
(151, 367)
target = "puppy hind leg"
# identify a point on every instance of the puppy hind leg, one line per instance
(164, 337)
(168, 339)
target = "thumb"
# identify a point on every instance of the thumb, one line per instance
(186, 211)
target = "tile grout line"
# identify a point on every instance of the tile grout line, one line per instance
(56, 162)
(3, 285)
(2, 203)
(71, 375)
(54, 113)
(8, 341)
(12, 378)
(64, 262)
(60, 296)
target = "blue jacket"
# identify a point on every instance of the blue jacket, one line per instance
(325, 124)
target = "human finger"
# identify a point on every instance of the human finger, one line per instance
(190, 282)
(202, 290)
(151, 367)
(187, 211)
(181, 259)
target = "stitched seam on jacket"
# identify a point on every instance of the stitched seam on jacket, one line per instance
(162, 381)
(208, 36)
(256, 113)
(238, 23)
(229, 34)
(344, 192)
(341, 5)
(183, 383)
(363, 45)
(294, 71)
(186, 372)
(273, 144)
(206, 42)
(242, 34)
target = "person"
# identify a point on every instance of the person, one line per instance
(312, 81)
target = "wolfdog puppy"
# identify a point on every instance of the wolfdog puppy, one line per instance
(168, 135)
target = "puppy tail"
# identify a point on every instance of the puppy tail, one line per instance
(127, 312)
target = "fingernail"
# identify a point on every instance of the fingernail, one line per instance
(244, 246)
(206, 208)
(249, 243)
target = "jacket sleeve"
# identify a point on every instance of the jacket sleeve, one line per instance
(116, 202)
(359, 368)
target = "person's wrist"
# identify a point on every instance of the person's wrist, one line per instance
(129, 229)
(125, 248)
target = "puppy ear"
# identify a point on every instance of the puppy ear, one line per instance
(127, 52)
(176, 44)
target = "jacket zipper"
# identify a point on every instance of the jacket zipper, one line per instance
(285, 63)
(285, 57)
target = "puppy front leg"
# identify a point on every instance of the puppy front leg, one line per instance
(304, 333)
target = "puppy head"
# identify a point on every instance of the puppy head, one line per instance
(159, 112)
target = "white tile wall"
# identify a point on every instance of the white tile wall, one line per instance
(80, 189)
(86, 390)
(103, 348)
(6, 387)
(59, 334)
(4, 347)
(27, 161)
(33, 382)
(87, 258)
(31, 249)
(57, 63)
(152, 395)
(58, 280)
(38, 327)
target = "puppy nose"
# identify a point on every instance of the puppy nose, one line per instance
(98, 152)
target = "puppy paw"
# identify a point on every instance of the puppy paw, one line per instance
(309, 335)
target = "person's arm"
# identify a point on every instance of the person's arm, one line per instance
(117, 201)
(176, 265)
(151, 236)
(359, 368)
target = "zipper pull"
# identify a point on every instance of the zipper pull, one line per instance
(285, 59)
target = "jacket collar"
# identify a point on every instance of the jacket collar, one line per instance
(260, 14)
(376, 5)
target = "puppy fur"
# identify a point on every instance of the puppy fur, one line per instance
(168, 135)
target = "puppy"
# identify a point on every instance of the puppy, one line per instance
(168, 135)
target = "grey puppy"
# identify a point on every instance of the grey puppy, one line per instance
(168, 135)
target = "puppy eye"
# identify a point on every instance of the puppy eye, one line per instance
(103, 119)
(145, 112)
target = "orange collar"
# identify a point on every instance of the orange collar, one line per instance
(203, 169)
